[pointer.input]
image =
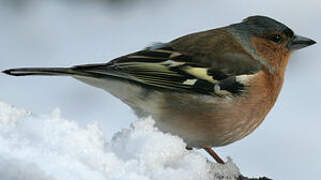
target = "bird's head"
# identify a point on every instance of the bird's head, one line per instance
(268, 40)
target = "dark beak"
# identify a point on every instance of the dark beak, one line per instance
(299, 42)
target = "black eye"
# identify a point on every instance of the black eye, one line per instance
(275, 37)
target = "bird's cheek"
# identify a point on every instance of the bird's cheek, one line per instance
(266, 50)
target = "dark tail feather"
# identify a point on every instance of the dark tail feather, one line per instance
(42, 71)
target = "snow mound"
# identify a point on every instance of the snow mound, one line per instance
(48, 147)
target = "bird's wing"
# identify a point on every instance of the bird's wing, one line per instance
(161, 66)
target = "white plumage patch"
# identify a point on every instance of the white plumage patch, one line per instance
(156, 45)
(171, 63)
(190, 82)
(244, 79)
(201, 73)
(217, 90)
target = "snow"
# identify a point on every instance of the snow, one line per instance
(49, 147)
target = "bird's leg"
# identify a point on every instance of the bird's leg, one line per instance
(214, 155)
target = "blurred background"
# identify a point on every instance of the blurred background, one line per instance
(69, 32)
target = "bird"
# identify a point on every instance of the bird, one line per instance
(211, 88)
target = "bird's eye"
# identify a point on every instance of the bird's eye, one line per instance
(275, 37)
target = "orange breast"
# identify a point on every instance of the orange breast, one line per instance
(203, 120)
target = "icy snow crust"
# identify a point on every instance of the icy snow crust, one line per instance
(48, 147)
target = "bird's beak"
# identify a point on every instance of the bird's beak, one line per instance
(299, 42)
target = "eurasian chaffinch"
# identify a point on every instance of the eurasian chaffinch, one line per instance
(211, 88)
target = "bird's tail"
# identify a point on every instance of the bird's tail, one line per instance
(43, 71)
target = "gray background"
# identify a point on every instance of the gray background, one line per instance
(64, 33)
